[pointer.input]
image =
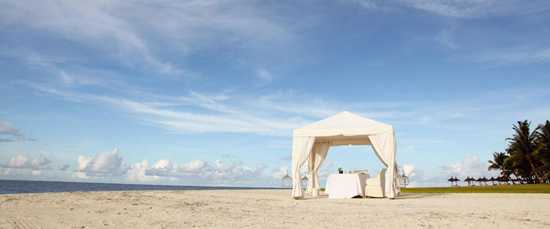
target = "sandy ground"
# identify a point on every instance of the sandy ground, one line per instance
(270, 209)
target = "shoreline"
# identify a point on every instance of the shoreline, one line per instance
(33, 186)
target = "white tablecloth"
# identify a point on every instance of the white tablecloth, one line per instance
(340, 186)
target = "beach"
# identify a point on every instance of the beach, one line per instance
(269, 209)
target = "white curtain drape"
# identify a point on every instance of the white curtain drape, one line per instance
(301, 149)
(384, 146)
(316, 158)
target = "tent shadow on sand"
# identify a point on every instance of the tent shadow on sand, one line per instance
(402, 196)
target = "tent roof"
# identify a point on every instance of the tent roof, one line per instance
(343, 124)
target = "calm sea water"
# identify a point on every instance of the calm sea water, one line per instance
(25, 186)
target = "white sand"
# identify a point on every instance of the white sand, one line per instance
(270, 209)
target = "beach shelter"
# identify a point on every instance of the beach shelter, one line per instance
(312, 142)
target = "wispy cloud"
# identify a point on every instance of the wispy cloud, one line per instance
(216, 116)
(461, 8)
(8, 133)
(455, 8)
(515, 56)
(278, 113)
(264, 75)
(127, 32)
(446, 38)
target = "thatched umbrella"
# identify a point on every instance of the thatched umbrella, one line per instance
(484, 180)
(451, 179)
(469, 180)
(478, 180)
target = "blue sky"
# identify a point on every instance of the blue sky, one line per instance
(207, 92)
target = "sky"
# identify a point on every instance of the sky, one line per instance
(207, 92)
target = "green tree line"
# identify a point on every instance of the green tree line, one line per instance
(527, 156)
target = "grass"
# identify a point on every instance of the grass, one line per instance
(524, 188)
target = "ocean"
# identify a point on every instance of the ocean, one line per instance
(27, 186)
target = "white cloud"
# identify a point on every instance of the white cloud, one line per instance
(83, 162)
(470, 166)
(19, 161)
(138, 173)
(40, 162)
(194, 166)
(218, 172)
(163, 165)
(21, 165)
(80, 175)
(194, 172)
(409, 170)
(102, 164)
(280, 173)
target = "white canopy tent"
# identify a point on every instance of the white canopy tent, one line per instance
(312, 142)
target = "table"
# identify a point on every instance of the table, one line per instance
(341, 186)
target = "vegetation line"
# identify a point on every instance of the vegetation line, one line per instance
(525, 188)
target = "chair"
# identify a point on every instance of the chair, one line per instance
(375, 185)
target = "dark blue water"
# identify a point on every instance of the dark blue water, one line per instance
(25, 186)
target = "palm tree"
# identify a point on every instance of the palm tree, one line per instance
(543, 149)
(521, 148)
(451, 179)
(499, 163)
